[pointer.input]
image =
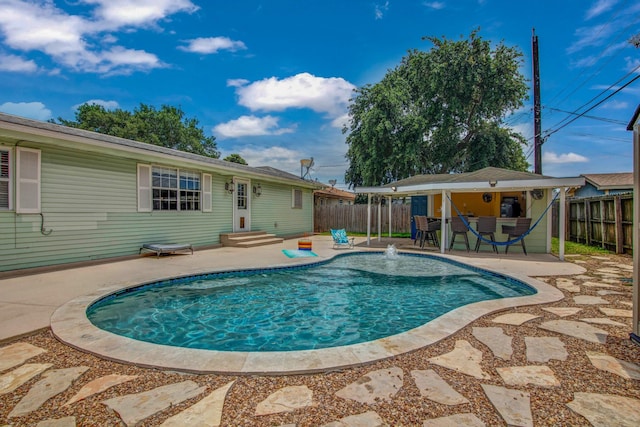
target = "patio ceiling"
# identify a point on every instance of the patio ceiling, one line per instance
(489, 179)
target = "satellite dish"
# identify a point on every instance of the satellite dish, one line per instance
(305, 167)
(537, 194)
(333, 182)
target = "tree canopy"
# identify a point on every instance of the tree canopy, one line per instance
(166, 127)
(439, 111)
(235, 158)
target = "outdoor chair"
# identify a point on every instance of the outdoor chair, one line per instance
(458, 227)
(421, 224)
(486, 228)
(430, 232)
(341, 240)
(516, 231)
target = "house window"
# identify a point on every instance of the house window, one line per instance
(174, 189)
(297, 199)
(4, 179)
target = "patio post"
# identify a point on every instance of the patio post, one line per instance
(562, 223)
(379, 218)
(389, 199)
(368, 219)
(444, 241)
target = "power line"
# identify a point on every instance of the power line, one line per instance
(549, 133)
(603, 119)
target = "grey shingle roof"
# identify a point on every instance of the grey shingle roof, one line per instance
(609, 181)
(481, 175)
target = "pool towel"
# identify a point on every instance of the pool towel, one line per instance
(296, 253)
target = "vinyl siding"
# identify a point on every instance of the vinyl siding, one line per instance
(272, 211)
(89, 205)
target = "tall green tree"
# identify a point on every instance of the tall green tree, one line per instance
(439, 111)
(235, 158)
(166, 127)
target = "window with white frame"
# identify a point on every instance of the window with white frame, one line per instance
(5, 177)
(174, 189)
(296, 201)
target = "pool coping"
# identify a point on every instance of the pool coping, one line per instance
(70, 325)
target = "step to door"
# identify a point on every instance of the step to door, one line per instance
(249, 239)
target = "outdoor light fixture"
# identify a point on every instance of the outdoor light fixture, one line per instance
(493, 182)
(394, 188)
(257, 190)
(228, 186)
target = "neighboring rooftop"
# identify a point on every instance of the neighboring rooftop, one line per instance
(610, 181)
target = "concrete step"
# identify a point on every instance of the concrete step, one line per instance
(249, 239)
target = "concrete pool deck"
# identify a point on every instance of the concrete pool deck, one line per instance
(59, 298)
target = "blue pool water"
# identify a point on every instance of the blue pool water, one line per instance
(353, 298)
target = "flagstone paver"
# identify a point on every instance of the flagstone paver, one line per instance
(543, 349)
(457, 420)
(589, 300)
(515, 319)
(604, 292)
(616, 312)
(583, 277)
(497, 341)
(514, 406)
(16, 354)
(607, 410)
(567, 285)
(629, 303)
(60, 422)
(99, 385)
(541, 376)
(563, 311)
(14, 379)
(433, 387)
(622, 368)
(205, 413)
(133, 408)
(366, 419)
(287, 399)
(464, 358)
(382, 384)
(603, 321)
(598, 285)
(577, 330)
(53, 382)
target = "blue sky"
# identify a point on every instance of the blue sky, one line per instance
(271, 80)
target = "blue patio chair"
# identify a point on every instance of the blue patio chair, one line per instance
(341, 240)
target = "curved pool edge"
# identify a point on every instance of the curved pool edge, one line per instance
(70, 325)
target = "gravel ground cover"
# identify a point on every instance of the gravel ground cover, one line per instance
(407, 407)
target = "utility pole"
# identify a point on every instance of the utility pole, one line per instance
(537, 121)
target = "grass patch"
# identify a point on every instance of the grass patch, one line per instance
(573, 248)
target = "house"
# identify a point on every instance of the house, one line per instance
(486, 192)
(69, 195)
(329, 196)
(602, 184)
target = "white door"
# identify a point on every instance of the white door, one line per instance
(242, 205)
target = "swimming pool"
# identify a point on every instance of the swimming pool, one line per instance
(353, 298)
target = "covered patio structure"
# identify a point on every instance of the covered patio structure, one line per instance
(483, 193)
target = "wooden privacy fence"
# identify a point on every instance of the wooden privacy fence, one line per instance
(353, 218)
(604, 221)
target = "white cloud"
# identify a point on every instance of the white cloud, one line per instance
(380, 10)
(600, 7)
(590, 37)
(208, 45)
(553, 158)
(323, 95)
(107, 105)
(437, 5)
(33, 110)
(277, 157)
(615, 105)
(14, 63)
(250, 126)
(77, 42)
(113, 14)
